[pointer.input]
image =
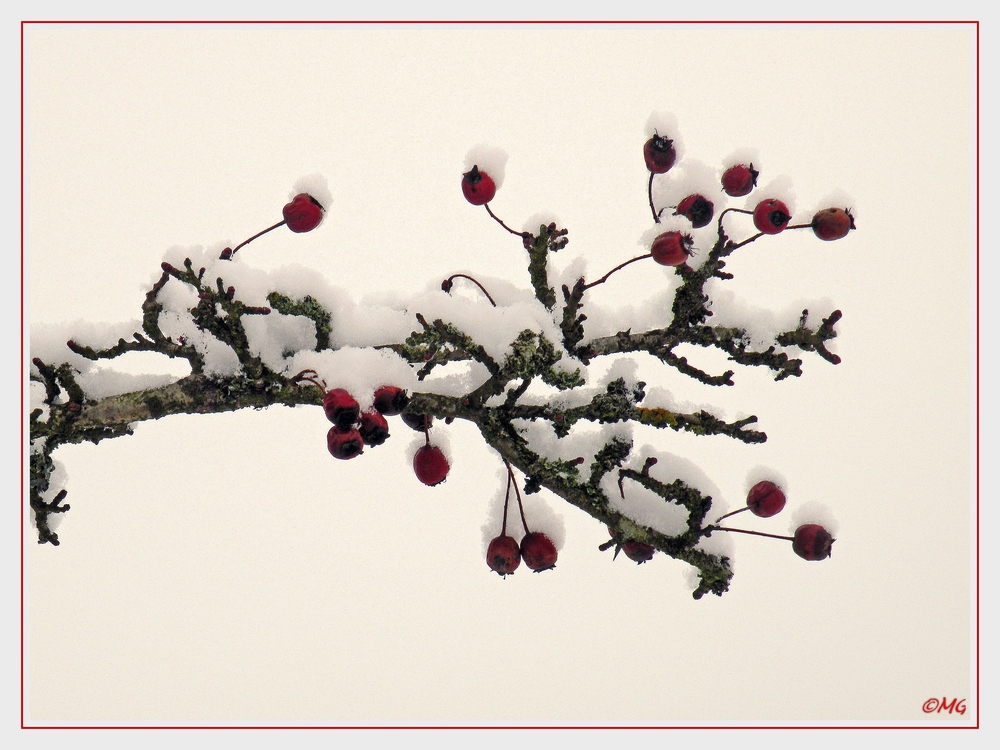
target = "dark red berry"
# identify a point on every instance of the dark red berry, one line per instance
(832, 223)
(771, 216)
(303, 214)
(698, 210)
(373, 428)
(418, 422)
(671, 248)
(659, 154)
(344, 443)
(478, 187)
(430, 465)
(341, 408)
(503, 555)
(538, 551)
(765, 499)
(812, 542)
(638, 551)
(739, 180)
(390, 400)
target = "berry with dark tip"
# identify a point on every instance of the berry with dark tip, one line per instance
(832, 223)
(303, 214)
(698, 210)
(373, 428)
(430, 465)
(812, 542)
(671, 248)
(344, 443)
(739, 180)
(390, 400)
(341, 408)
(771, 216)
(538, 551)
(478, 187)
(659, 154)
(638, 551)
(503, 555)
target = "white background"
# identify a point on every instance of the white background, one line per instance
(348, 593)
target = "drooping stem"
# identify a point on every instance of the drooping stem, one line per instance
(447, 285)
(616, 268)
(230, 254)
(499, 221)
(506, 501)
(656, 216)
(517, 492)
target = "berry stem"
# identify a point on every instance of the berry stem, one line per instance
(733, 513)
(506, 500)
(616, 268)
(799, 226)
(499, 221)
(656, 216)
(517, 492)
(481, 287)
(427, 432)
(755, 533)
(246, 242)
(746, 241)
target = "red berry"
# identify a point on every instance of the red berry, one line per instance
(765, 499)
(341, 408)
(671, 248)
(344, 443)
(659, 154)
(538, 551)
(373, 428)
(503, 555)
(430, 465)
(697, 208)
(832, 223)
(739, 180)
(771, 216)
(638, 551)
(812, 542)
(418, 422)
(478, 187)
(303, 214)
(390, 400)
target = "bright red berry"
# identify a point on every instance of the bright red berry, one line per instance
(430, 465)
(503, 555)
(812, 542)
(697, 208)
(832, 223)
(341, 408)
(659, 154)
(771, 216)
(303, 214)
(671, 248)
(739, 180)
(765, 499)
(478, 187)
(538, 551)
(344, 443)
(390, 400)
(638, 551)
(373, 428)
(418, 422)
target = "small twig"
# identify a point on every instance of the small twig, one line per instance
(499, 221)
(229, 255)
(616, 268)
(447, 284)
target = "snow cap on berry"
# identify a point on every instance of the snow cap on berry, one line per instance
(489, 159)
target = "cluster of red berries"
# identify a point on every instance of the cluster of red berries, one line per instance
(353, 429)
(770, 216)
(765, 499)
(504, 553)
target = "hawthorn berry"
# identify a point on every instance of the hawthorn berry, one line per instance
(303, 214)
(671, 248)
(344, 443)
(659, 154)
(390, 400)
(503, 555)
(812, 542)
(638, 551)
(341, 408)
(478, 187)
(698, 210)
(739, 180)
(538, 551)
(418, 422)
(373, 428)
(832, 223)
(765, 499)
(430, 465)
(771, 216)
